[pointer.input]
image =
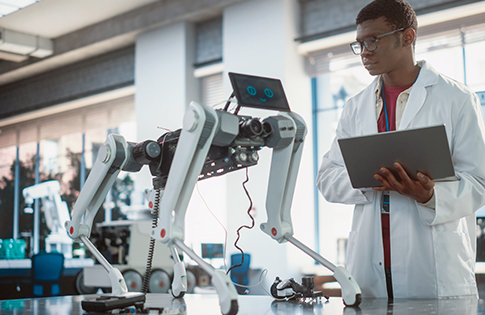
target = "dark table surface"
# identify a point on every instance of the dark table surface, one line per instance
(201, 304)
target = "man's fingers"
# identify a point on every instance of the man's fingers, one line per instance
(425, 181)
(394, 184)
(402, 173)
(388, 181)
(383, 181)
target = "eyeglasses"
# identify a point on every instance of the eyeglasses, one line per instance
(370, 43)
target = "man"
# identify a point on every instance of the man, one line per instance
(409, 238)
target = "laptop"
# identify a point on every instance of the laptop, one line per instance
(423, 150)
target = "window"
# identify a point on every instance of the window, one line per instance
(212, 89)
(59, 142)
(208, 43)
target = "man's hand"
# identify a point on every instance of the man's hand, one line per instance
(420, 190)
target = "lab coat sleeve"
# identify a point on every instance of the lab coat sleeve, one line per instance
(461, 198)
(333, 180)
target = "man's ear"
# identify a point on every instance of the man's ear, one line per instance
(409, 36)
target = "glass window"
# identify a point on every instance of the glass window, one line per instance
(8, 156)
(475, 66)
(212, 90)
(448, 61)
(347, 78)
(7, 159)
(27, 157)
(60, 139)
(208, 43)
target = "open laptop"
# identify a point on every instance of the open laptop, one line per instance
(423, 150)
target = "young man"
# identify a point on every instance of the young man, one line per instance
(409, 239)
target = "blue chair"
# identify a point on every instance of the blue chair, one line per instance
(46, 272)
(240, 275)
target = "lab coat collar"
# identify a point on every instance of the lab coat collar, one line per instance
(427, 77)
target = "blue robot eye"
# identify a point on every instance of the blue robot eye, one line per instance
(268, 93)
(251, 90)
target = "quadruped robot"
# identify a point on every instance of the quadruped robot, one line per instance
(210, 143)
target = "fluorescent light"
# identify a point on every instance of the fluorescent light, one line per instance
(10, 6)
(7, 9)
(17, 3)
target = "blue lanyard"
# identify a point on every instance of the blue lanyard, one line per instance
(385, 107)
(384, 100)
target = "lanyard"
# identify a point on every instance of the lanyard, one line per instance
(384, 100)
(385, 107)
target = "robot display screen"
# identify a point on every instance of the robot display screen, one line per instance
(259, 92)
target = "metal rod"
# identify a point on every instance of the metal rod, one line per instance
(175, 254)
(310, 252)
(100, 258)
(207, 268)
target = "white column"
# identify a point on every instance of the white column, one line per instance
(164, 85)
(259, 40)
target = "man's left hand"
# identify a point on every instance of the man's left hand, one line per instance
(420, 190)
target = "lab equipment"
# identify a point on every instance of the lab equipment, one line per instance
(56, 213)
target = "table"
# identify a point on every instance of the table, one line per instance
(200, 304)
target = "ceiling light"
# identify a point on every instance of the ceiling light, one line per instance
(18, 3)
(25, 44)
(10, 6)
(7, 9)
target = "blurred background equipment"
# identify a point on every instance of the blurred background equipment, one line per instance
(55, 212)
(240, 275)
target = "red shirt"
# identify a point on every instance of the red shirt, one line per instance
(391, 95)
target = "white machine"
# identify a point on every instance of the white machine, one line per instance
(211, 143)
(132, 263)
(56, 213)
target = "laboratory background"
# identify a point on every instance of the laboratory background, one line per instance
(74, 71)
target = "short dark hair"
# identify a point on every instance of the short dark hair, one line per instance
(398, 13)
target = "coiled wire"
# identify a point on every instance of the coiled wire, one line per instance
(151, 248)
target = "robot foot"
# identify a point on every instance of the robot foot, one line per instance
(227, 293)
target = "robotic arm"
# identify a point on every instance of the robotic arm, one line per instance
(55, 211)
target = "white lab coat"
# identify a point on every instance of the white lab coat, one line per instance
(432, 251)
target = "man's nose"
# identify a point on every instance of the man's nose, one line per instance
(365, 51)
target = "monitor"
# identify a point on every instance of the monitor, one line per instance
(212, 250)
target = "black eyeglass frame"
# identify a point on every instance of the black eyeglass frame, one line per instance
(375, 39)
